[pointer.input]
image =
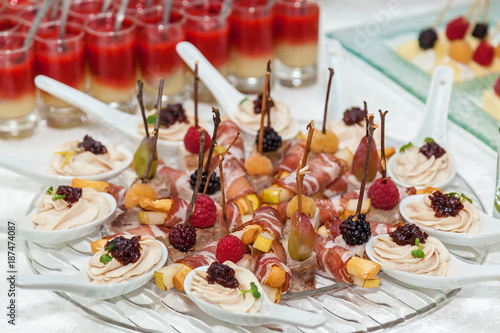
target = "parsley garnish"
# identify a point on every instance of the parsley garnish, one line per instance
(151, 119)
(408, 145)
(253, 290)
(105, 258)
(462, 196)
(418, 253)
(54, 195)
(243, 101)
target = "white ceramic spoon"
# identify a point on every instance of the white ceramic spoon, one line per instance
(435, 120)
(463, 273)
(340, 98)
(80, 283)
(126, 124)
(268, 314)
(34, 169)
(226, 95)
(26, 228)
(489, 228)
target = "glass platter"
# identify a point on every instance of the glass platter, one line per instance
(347, 308)
(374, 43)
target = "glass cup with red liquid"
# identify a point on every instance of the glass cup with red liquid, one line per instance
(157, 55)
(61, 57)
(207, 28)
(82, 10)
(111, 57)
(251, 23)
(17, 87)
(137, 7)
(15, 6)
(296, 27)
(8, 23)
(27, 15)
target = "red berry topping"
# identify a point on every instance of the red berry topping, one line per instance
(192, 140)
(182, 238)
(384, 196)
(456, 29)
(204, 213)
(496, 87)
(230, 248)
(484, 54)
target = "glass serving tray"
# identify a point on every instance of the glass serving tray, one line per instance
(347, 308)
(376, 47)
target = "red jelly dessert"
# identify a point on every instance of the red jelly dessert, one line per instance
(156, 50)
(135, 7)
(251, 37)
(62, 60)
(83, 10)
(8, 23)
(296, 26)
(15, 6)
(111, 58)
(208, 30)
(17, 88)
(27, 17)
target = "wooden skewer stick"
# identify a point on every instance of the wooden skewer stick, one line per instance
(199, 176)
(263, 113)
(327, 98)
(268, 103)
(472, 23)
(140, 86)
(299, 179)
(196, 84)
(223, 194)
(383, 162)
(441, 14)
(216, 119)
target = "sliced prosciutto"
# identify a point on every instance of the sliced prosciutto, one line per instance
(118, 192)
(330, 209)
(268, 219)
(233, 216)
(376, 228)
(338, 186)
(200, 258)
(291, 158)
(331, 259)
(225, 135)
(263, 266)
(145, 230)
(324, 169)
(177, 178)
(236, 184)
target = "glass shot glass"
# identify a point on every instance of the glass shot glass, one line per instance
(27, 16)
(82, 10)
(157, 55)
(251, 23)
(296, 27)
(111, 57)
(61, 57)
(8, 23)
(17, 88)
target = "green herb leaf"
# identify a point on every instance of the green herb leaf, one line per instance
(58, 197)
(151, 119)
(406, 146)
(429, 140)
(417, 242)
(453, 194)
(253, 290)
(463, 197)
(243, 101)
(110, 246)
(105, 258)
(418, 253)
(50, 190)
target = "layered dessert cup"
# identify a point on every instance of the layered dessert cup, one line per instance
(157, 55)
(251, 23)
(8, 23)
(111, 60)
(83, 10)
(17, 88)
(64, 61)
(27, 15)
(296, 27)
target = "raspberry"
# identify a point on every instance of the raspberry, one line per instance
(484, 54)
(182, 238)
(192, 140)
(230, 248)
(496, 87)
(271, 141)
(355, 232)
(384, 196)
(456, 29)
(204, 213)
(427, 39)
(213, 184)
(480, 30)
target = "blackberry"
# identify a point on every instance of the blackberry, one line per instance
(257, 104)
(407, 234)
(95, 147)
(355, 232)
(427, 39)
(182, 238)
(213, 184)
(480, 30)
(271, 140)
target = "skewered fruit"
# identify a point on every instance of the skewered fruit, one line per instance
(302, 237)
(358, 162)
(484, 54)
(324, 142)
(480, 30)
(258, 165)
(427, 39)
(138, 191)
(457, 28)
(308, 206)
(192, 140)
(142, 156)
(460, 51)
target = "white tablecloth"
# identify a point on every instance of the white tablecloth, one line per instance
(475, 308)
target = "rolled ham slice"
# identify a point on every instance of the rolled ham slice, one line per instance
(177, 178)
(331, 259)
(201, 258)
(225, 135)
(330, 209)
(293, 154)
(268, 218)
(236, 184)
(263, 266)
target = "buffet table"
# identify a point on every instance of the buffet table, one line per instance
(475, 308)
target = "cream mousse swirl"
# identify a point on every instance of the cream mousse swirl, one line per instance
(176, 131)
(59, 215)
(281, 118)
(413, 168)
(350, 135)
(421, 213)
(390, 255)
(229, 299)
(115, 272)
(70, 160)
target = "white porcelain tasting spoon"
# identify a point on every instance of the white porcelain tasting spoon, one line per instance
(434, 123)
(463, 273)
(269, 312)
(340, 99)
(226, 95)
(127, 125)
(489, 228)
(36, 169)
(26, 228)
(80, 283)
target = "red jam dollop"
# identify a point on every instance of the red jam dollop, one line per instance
(95, 147)
(445, 205)
(125, 250)
(173, 113)
(431, 148)
(353, 116)
(71, 194)
(222, 274)
(257, 104)
(407, 234)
